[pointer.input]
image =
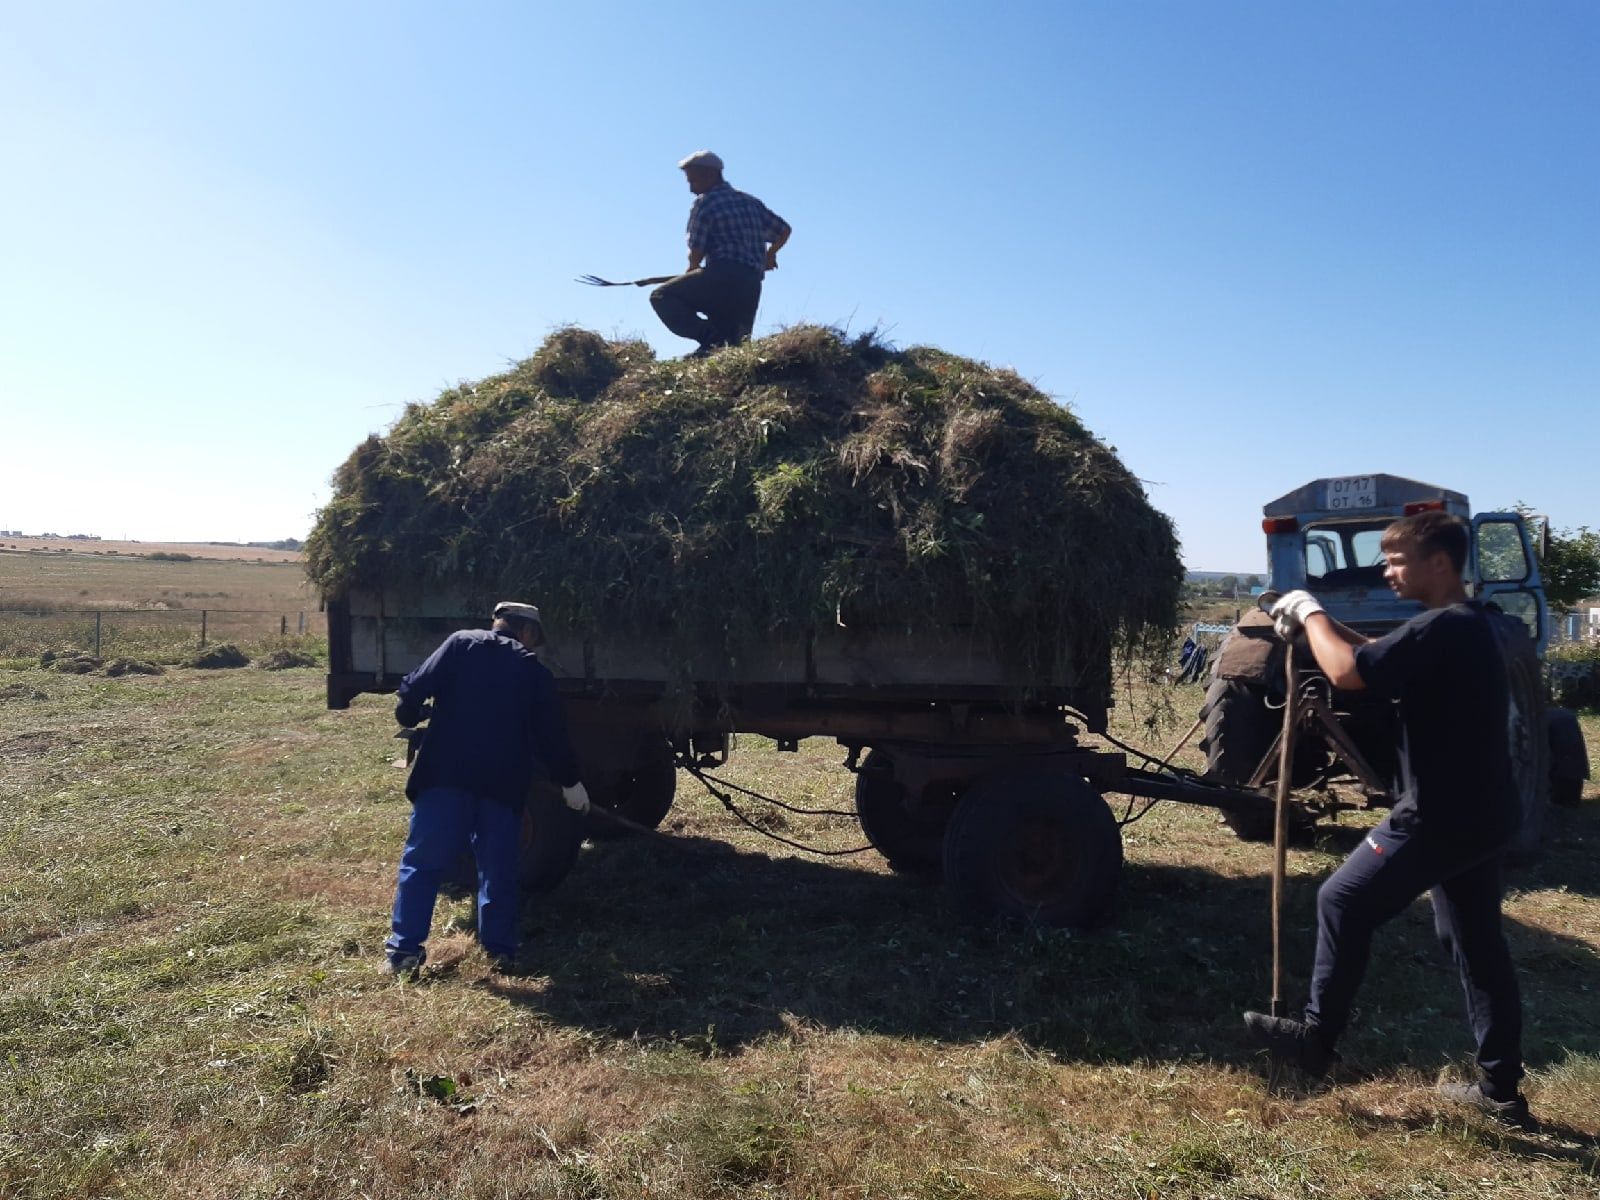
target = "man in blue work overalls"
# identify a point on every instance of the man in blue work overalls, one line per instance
(495, 722)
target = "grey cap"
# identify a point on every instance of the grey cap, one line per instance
(517, 610)
(702, 158)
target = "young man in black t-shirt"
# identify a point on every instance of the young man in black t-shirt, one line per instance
(1455, 812)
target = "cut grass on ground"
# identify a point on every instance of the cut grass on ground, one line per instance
(198, 872)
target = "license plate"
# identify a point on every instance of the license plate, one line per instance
(1351, 491)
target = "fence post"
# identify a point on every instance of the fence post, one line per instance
(97, 633)
(302, 629)
(202, 627)
(283, 625)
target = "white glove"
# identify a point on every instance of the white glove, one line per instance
(577, 797)
(1290, 612)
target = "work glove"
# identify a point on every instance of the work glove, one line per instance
(577, 797)
(1290, 612)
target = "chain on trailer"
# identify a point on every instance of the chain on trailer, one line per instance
(727, 802)
(1161, 765)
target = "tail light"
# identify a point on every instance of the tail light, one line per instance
(1417, 506)
(1280, 525)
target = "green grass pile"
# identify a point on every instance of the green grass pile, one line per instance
(794, 483)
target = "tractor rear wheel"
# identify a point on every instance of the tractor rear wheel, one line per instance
(1239, 730)
(1033, 846)
(1530, 752)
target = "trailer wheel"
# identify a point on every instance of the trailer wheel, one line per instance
(1038, 847)
(547, 845)
(552, 835)
(1239, 730)
(643, 795)
(910, 838)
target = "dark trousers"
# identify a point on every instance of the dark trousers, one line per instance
(1390, 869)
(726, 294)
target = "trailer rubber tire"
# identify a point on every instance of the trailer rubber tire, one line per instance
(551, 837)
(1239, 729)
(643, 795)
(911, 842)
(1033, 847)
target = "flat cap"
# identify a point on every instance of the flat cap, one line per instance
(517, 610)
(702, 158)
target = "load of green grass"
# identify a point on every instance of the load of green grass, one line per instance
(796, 482)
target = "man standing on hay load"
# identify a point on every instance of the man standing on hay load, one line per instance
(1448, 831)
(496, 719)
(734, 240)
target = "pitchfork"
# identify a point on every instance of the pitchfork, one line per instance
(596, 281)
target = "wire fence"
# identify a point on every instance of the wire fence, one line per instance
(147, 633)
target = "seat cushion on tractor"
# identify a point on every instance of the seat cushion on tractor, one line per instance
(1252, 653)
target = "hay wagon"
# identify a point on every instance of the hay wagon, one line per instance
(963, 769)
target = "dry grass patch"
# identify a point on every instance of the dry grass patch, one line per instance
(193, 1006)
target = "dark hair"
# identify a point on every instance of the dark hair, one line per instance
(1431, 532)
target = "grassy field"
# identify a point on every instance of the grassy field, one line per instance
(198, 868)
(151, 607)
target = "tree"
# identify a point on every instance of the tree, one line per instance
(1571, 566)
(1569, 563)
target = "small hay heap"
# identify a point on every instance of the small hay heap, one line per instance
(795, 482)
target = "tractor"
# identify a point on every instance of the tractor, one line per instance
(1325, 537)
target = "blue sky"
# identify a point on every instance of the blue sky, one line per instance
(1250, 244)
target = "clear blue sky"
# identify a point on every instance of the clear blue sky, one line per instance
(1250, 243)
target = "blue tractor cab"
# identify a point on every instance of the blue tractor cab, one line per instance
(1326, 537)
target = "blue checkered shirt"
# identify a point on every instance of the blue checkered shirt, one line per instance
(733, 227)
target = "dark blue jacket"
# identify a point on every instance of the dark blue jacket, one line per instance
(496, 719)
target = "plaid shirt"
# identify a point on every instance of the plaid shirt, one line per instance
(733, 227)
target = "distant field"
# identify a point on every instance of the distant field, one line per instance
(89, 575)
(149, 607)
(108, 548)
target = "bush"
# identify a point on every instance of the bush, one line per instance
(1575, 674)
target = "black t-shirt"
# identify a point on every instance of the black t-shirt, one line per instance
(1446, 669)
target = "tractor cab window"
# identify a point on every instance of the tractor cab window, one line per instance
(1344, 555)
(1501, 555)
(1521, 605)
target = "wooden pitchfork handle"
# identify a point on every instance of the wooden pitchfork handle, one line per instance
(1280, 813)
(1280, 823)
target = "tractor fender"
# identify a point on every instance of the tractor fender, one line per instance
(1569, 757)
(1252, 653)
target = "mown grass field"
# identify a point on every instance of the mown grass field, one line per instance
(150, 607)
(197, 872)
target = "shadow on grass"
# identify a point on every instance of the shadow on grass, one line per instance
(1552, 1140)
(724, 947)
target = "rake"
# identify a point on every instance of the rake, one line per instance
(596, 281)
